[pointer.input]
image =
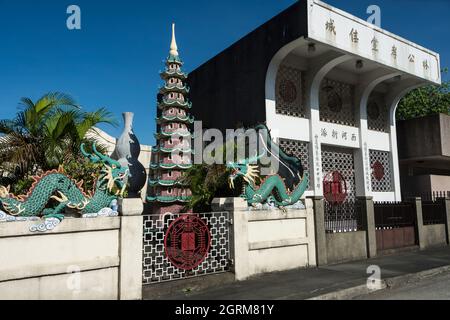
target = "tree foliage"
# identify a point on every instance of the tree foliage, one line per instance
(206, 183)
(425, 101)
(45, 134)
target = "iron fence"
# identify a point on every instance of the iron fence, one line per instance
(427, 196)
(157, 267)
(391, 215)
(434, 212)
(345, 217)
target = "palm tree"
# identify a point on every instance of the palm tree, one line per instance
(46, 133)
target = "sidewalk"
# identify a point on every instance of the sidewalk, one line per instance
(338, 281)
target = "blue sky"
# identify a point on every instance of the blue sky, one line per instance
(114, 60)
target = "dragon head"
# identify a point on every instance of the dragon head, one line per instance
(244, 169)
(113, 173)
(4, 192)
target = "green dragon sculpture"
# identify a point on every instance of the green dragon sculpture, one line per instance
(67, 192)
(271, 189)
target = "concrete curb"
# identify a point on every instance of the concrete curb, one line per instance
(389, 283)
(399, 281)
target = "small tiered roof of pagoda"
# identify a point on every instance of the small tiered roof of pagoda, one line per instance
(178, 118)
(166, 74)
(171, 150)
(163, 134)
(174, 87)
(166, 183)
(167, 166)
(164, 103)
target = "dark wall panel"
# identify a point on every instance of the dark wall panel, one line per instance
(229, 90)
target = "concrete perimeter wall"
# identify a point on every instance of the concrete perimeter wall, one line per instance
(82, 258)
(269, 240)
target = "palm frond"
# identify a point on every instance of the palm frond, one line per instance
(20, 151)
(54, 100)
(92, 119)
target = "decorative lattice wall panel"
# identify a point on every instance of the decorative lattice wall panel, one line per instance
(300, 150)
(337, 102)
(290, 98)
(380, 164)
(377, 113)
(156, 265)
(340, 160)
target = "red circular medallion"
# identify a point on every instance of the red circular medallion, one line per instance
(187, 242)
(378, 170)
(288, 91)
(335, 188)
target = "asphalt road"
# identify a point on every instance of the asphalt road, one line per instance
(433, 288)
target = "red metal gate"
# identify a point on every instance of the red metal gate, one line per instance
(395, 225)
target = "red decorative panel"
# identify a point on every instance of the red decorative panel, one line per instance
(187, 242)
(378, 170)
(335, 188)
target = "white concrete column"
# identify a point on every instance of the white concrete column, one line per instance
(317, 71)
(130, 249)
(367, 84)
(396, 93)
(239, 209)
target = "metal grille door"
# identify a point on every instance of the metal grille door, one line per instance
(342, 213)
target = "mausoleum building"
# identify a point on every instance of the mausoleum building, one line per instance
(327, 85)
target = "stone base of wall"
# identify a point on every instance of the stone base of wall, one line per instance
(349, 246)
(434, 235)
(87, 285)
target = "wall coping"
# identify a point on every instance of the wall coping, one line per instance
(68, 225)
(240, 204)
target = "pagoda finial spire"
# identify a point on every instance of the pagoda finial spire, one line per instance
(173, 44)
